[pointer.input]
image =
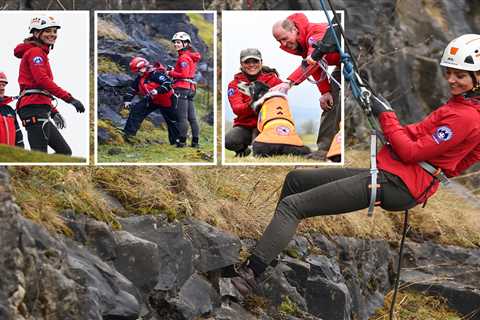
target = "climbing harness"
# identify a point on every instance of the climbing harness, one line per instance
(362, 93)
(29, 92)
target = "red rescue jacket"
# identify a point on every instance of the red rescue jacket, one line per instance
(240, 102)
(309, 34)
(161, 83)
(185, 69)
(448, 138)
(35, 73)
(10, 132)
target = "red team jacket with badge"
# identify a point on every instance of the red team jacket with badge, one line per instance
(35, 73)
(185, 68)
(309, 34)
(240, 102)
(155, 79)
(448, 138)
(10, 132)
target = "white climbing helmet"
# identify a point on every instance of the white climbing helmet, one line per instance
(41, 22)
(182, 36)
(463, 53)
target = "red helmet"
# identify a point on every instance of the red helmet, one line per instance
(3, 77)
(138, 63)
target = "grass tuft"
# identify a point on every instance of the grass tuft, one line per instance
(107, 29)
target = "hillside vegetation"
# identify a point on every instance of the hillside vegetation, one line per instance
(236, 199)
(10, 154)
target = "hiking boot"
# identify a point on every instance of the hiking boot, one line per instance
(244, 281)
(195, 142)
(181, 144)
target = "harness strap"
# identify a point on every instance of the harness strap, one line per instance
(435, 172)
(373, 172)
(33, 120)
(28, 92)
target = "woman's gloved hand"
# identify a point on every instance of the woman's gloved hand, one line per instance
(379, 104)
(78, 105)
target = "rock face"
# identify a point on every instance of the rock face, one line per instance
(156, 269)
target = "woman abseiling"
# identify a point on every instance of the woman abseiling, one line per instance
(247, 86)
(38, 90)
(448, 138)
(185, 87)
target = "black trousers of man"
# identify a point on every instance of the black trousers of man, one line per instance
(142, 109)
(330, 120)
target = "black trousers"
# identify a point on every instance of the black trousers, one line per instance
(186, 114)
(239, 138)
(43, 133)
(314, 192)
(330, 120)
(142, 109)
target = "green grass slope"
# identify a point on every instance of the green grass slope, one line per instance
(10, 154)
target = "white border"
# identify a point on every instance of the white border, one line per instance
(87, 110)
(214, 94)
(342, 105)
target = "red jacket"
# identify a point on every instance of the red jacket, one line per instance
(155, 79)
(240, 102)
(185, 68)
(35, 73)
(10, 132)
(309, 34)
(449, 138)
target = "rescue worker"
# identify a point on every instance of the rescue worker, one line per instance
(38, 90)
(298, 36)
(155, 88)
(183, 74)
(449, 139)
(10, 132)
(247, 86)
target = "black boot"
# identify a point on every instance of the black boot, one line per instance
(195, 143)
(181, 142)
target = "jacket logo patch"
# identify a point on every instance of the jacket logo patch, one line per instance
(161, 78)
(311, 41)
(183, 64)
(442, 134)
(37, 60)
(230, 92)
(282, 130)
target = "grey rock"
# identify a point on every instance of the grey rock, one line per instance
(175, 253)
(213, 249)
(447, 271)
(107, 113)
(230, 310)
(137, 259)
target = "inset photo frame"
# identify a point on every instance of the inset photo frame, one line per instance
(155, 87)
(277, 109)
(44, 87)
